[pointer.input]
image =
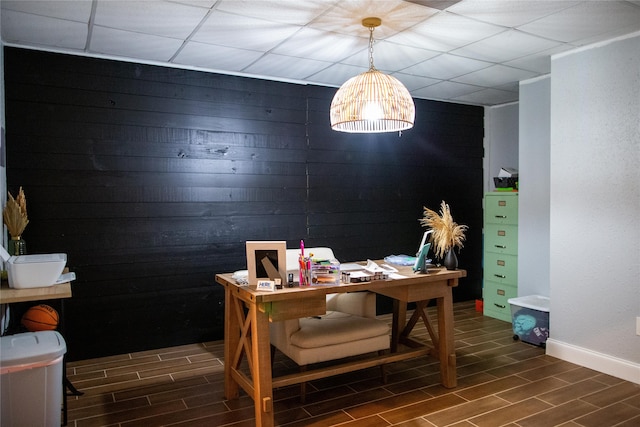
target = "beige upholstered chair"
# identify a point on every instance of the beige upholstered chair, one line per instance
(348, 328)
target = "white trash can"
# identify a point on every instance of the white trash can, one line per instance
(31, 388)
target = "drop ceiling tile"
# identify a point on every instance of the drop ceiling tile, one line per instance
(78, 11)
(150, 17)
(200, 3)
(218, 58)
(445, 31)
(288, 67)
(446, 67)
(337, 74)
(295, 12)
(396, 15)
(446, 90)
(436, 4)
(133, 45)
(510, 87)
(322, 46)
(509, 13)
(24, 28)
(488, 97)
(495, 75)
(506, 46)
(587, 19)
(539, 62)
(225, 29)
(412, 82)
(390, 56)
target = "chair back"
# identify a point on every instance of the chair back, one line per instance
(294, 254)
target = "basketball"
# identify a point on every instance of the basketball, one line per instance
(40, 318)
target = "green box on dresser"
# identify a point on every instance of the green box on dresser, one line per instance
(500, 277)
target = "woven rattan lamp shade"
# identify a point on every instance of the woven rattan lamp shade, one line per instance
(372, 102)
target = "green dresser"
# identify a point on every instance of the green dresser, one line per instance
(500, 253)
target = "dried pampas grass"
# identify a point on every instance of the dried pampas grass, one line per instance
(446, 232)
(15, 214)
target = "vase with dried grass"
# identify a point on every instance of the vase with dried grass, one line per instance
(447, 234)
(15, 218)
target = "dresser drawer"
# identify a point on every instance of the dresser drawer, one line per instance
(501, 268)
(496, 299)
(501, 238)
(501, 208)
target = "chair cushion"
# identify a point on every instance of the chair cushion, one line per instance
(336, 328)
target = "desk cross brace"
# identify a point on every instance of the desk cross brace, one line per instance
(244, 347)
(420, 312)
(243, 341)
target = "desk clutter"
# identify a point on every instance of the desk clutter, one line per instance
(318, 271)
(321, 268)
(331, 272)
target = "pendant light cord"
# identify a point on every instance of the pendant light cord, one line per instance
(371, 67)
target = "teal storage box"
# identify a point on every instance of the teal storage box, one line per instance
(530, 319)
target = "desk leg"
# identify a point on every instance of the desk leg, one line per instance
(247, 336)
(261, 358)
(446, 347)
(231, 342)
(398, 322)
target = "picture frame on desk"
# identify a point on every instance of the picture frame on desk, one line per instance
(266, 260)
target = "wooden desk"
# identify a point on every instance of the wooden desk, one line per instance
(248, 313)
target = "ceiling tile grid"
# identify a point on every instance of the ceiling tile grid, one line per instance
(465, 51)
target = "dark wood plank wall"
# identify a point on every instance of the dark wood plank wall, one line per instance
(152, 178)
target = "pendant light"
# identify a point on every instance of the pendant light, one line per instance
(372, 102)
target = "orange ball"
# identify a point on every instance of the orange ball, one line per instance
(40, 318)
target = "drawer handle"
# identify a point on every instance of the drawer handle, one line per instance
(500, 246)
(499, 306)
(502, 276)
(501, 216)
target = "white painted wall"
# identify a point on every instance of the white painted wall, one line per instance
(534, 187)
(595, 207)
(500, 141)
(3, 173)
(4, 308)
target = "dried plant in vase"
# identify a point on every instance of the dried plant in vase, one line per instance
(15, 217)
(447, 234)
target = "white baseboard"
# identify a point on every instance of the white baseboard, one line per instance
(600, 362)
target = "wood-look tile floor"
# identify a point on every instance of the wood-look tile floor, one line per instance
(501, 382)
